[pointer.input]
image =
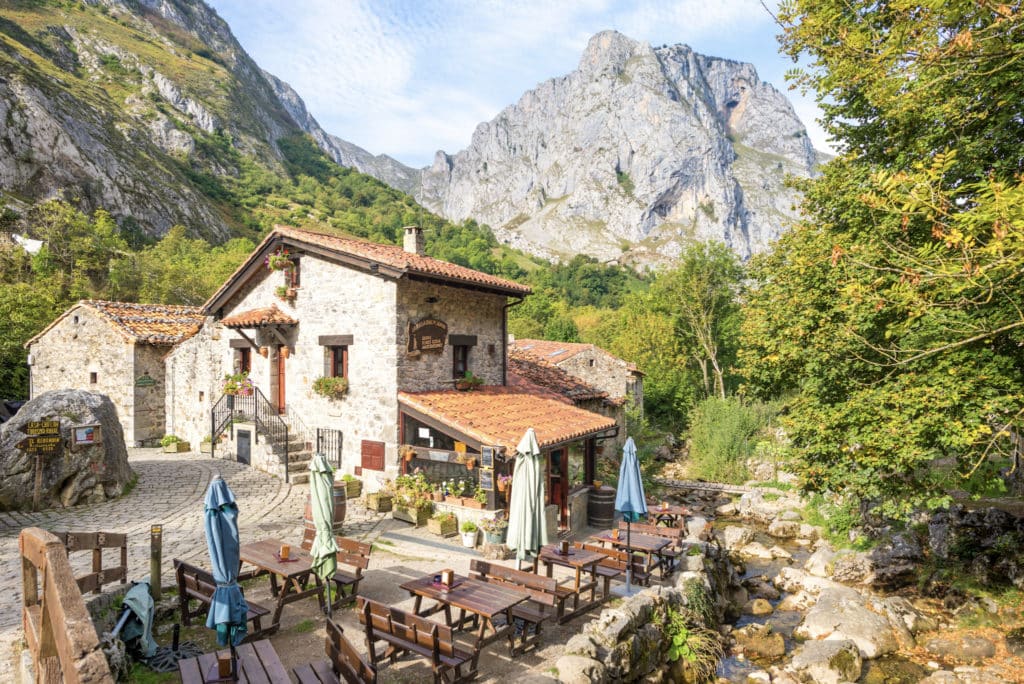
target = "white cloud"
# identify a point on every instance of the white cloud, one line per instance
(408, 78)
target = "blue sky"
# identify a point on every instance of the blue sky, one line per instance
(409, 77)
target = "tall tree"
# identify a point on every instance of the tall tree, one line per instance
(892, 310)
(700, 297)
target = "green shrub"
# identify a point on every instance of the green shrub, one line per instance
(468, 526)
(330, 387)
(721, 432)
(168, 440)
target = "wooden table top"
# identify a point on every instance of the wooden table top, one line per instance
(638, 542)
(577, 558)
(263, 554)
(655, 509)
(258, 663)
(477, 597)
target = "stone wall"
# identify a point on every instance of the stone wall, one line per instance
(148, 400)
(82, 343)
(193, 372)
(466, 312)
(600, 369)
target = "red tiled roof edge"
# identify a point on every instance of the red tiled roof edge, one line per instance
(112, 313)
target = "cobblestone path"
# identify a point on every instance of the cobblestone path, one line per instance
(170, 492)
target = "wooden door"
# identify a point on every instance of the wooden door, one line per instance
(281, 401)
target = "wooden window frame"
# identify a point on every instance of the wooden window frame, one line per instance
(460, 353)
(244, 360)
(335, 357)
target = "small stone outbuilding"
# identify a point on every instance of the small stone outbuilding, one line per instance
(115, 349)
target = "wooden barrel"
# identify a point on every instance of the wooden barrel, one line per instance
(339, 509)
(601, 507)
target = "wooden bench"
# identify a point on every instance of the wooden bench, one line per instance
(614, 565)
(344, 664)
(547, 599)
(353, 557)
(404, 632)
(198, 584)
(671, 553)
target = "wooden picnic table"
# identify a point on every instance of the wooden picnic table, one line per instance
(671, 514)
(638, 543)
(258, 663)
(580, 560)
(264, 555)
(485, 601)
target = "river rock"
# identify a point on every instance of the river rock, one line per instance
(793, 579)
(797, 602)
(573, 669)
(895, 563)
(83, 473)
(735, 537)
(754, 506)
(758, 606)
(819, 563)
(827, 662)
(1015, 642)
(582, 645)
(843, 613)
(784, 529)
(756, 550)
(850, 567)
(904, 616)
(726, 510)
(779, 552)
(809, 532)
(759, 587)
(698, 529)
(970, 648)
(760, 640)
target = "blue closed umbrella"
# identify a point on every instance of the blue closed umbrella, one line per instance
(630, 500)
(227, 607)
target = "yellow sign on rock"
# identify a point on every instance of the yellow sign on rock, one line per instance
(42, 427)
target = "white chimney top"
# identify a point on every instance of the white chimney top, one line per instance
(413, 241)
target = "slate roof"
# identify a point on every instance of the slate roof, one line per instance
(524, 368)
(159, 324)
(499, 415)
(253, 318)
(391, 257)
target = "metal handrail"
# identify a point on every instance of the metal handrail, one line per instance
(254, 407)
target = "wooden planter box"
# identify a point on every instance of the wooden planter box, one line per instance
(411, 515)
(353, 488)
(381, 503)
(456, 500)
(206, 448)
(470, 502)
(177, 448)
(443, 528)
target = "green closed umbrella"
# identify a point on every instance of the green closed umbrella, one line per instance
(324, 549)
(527, 524)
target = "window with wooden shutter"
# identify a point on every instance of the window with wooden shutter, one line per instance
(335, 362)
(372, 455)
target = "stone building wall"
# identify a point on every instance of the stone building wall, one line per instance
(602, 370)
(193, 372)
(149, 399)
(82, 343)
(466, 312)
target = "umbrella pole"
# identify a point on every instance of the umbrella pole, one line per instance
(629, 559)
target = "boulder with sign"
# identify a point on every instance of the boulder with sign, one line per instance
(63, 448)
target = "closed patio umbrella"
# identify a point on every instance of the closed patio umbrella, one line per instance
(630, 501)
(527, 524)
(321, 494)
(227, 606)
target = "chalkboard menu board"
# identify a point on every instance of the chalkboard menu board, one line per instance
(487, 456)
(487, 480)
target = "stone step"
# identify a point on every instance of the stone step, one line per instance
(298, 478)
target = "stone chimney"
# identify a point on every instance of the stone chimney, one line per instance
(413, 242)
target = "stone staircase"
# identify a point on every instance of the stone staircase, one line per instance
(300, 453)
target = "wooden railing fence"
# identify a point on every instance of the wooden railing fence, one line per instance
(61, 638)
(96, 542)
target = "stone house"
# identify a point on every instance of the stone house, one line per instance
(402, 329)
(621, 379)
(116, 349)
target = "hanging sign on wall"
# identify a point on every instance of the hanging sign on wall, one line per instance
(427, 335)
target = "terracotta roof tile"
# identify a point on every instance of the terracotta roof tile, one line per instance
(160, 324)
(500, 415)
(526, 368)
(269, 315)
(392, 256)
(548, 350)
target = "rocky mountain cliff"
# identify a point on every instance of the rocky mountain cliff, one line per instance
(633, 155)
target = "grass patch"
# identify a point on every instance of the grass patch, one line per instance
(305, 626)
(130, 485)
(775, 484)
(140, 674)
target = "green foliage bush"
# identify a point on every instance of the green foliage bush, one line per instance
(721, 437)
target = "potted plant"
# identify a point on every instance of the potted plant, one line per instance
(237, 384)
(477, 500)
(468, 382)
(470, 463)
(330, 386)
(353, 486)
(412, 500)
(381, 500)
(407, 452)
(503, 481)
(468, 530)
(494, 530)
(173, 444)
(280, 260)
(437, 495)
(206, 446)
(454, 492)
(443, 524)
(285, 293)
